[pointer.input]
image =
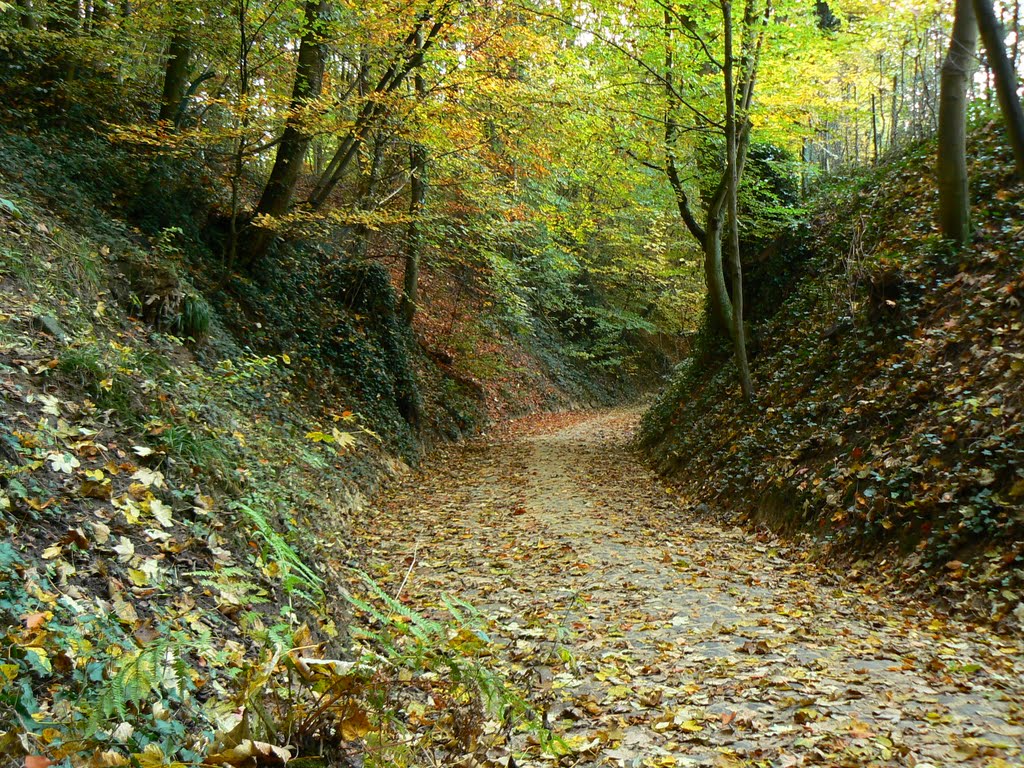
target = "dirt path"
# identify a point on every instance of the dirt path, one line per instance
(650, 638)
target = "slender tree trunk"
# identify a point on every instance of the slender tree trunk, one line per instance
(172, 103)
(414, 244)
(418, 158)
(805, 157)
(367, 195)
(714, 272)
(993, 35)
(732, 171)
(65, 17)
(711, 235)
(894, 114)
(1016, 36)
(954, 194)
(291, 151)
(242, 144)
(874, 130)
(856, 128)
(917, 105)
(179, 53)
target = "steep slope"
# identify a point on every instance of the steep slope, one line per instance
(154, 494)
(889, 372)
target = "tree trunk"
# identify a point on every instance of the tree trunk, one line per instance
(710, 236)
(894, 114)
(993, 35)
(27, 15)
(179, 52)
(242, 143)
(874, 130)
(418, 158)
(954, 194)
(291, 151)
(367, 195)
(732, 173)
(1015, 56)
(414, 244)
(714, 274)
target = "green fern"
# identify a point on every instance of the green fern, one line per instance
(234, 581)
(284, 555)
(137, 679)
(423, 628)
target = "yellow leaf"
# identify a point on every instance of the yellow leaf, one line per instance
(619, 691)
(355, 726)
(108, 759)
(149, 477)
(41, 656)
(151, 757)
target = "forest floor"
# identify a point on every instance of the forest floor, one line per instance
(648, 635)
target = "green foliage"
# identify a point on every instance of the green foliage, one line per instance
(769, 196)
(339, 318)
(10, 207)
(297, 578)
(194, 319)
(110, 690)
(102, 372)
(451, 648)
(197, 446)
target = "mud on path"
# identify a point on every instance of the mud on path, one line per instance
(648, 637)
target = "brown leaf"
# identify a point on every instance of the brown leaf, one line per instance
(36, 620)
(96, 490)
(248, 751)
(77, 537)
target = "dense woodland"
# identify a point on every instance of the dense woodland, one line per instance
(263, 262)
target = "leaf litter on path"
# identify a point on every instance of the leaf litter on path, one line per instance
(646, 636)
